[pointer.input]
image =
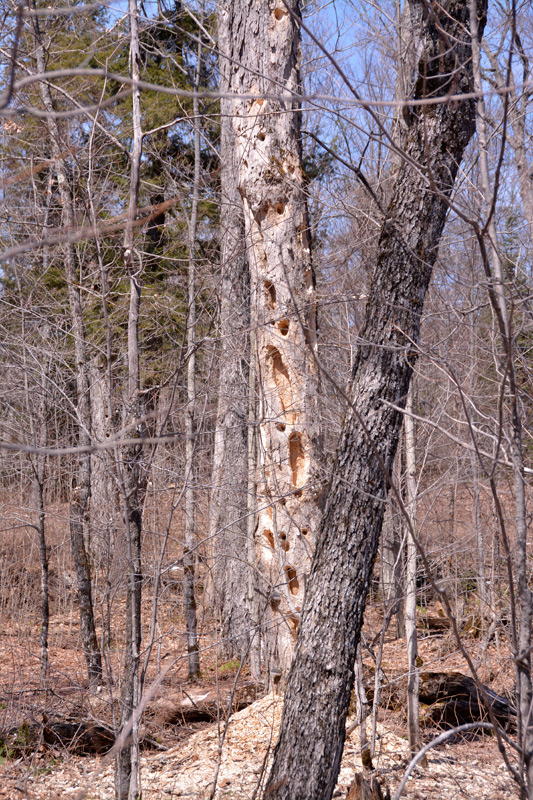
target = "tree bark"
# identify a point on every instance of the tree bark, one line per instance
(309, 750)
(81, 492)
(265, 44)
(105, 511)
(132, 475)
(229, 500)
(189, 556)
(392, 558)
(411, 485)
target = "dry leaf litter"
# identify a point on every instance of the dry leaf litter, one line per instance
(471, 770)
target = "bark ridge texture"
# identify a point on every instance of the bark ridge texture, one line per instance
(309, 750)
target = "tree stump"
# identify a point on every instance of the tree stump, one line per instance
(363, 788)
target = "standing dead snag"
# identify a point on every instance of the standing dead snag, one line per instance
(309, 750)
(265, 51)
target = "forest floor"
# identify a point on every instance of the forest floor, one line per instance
(193, 755)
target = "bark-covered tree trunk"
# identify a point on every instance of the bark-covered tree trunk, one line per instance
(189, 556)
(411, 493)
(131, 470)
(105, 510)
(265, 47)
(229, 501)
(392, 557)
(81, 492)
(309, 750)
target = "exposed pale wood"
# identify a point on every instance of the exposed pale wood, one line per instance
(265, 44)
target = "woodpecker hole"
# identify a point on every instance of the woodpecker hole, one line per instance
(270, 290)
(280, 374)
(297, 459)
(269, 537)
(292, 580)
(283, 326)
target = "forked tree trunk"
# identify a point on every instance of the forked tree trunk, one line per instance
(81, 492)
(264, 45)
(309, 750)
(229, 500)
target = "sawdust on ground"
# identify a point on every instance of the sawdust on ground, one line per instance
(473, 770)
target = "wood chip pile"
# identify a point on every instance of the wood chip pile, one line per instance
(464, 770)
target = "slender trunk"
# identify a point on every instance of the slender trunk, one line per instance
(308, 754)
(413, 680)
(82, 490)
(43, 560)
(38, 427)
(189, 558)
(494, 268)
(264, 42)
(131, 470)
(233, 539)
(478, 524)
(362, 711)
(517, 111)
(392, 558)
(38, 424)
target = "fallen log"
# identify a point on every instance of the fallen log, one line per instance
(82, 738)
(76, 736)
(203, 705)
(433, 623)
(455, 699)
(450, 699)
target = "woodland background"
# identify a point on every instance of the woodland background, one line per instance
(152, 422)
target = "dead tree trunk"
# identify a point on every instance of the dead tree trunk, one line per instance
(265, 44)
(81, 492)
(309, 750)
(229, 501)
